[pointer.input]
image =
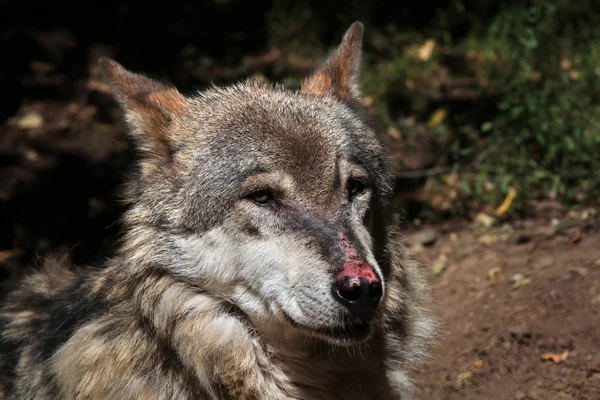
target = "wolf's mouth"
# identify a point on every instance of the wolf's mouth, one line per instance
(355, 331)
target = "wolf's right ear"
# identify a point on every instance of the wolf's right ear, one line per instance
(339, 74)
(150, 107)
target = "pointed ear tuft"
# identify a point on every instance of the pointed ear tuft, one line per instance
(150, 106)
(339, 74)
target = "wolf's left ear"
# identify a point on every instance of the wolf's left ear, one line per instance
(339, 74)
(151, 107)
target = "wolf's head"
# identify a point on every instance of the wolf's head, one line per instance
(266, 196)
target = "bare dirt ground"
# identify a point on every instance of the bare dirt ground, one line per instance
(507, 309)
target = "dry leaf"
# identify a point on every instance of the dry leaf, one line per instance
(394, 133)
(556, 358)
(425, 51)
(577, 238)
(465, 379)
(478, 363)
(497, 236)
(31, 120)
(590, 212)
(439, 265)
(505, 206)
(521, 283)
(369, 100)
(494, 238)
(485, 220)
(494, 273)
(437, 117)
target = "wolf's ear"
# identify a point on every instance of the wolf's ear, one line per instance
(340, 72)
(150, 107)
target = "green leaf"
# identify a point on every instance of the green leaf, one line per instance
(487, 126)
(562, 226)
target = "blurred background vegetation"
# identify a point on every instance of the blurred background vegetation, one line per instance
(481, 98)
(486, 106)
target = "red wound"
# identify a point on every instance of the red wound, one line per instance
(355, 266)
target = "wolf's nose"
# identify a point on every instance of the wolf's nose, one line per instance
(358, 288)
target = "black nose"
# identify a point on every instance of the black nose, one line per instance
(357, 293)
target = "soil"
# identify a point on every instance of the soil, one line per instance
(495, 333)
(529, 292)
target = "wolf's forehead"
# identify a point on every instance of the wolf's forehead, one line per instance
(278, 126)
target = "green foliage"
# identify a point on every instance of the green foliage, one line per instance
(542, 63)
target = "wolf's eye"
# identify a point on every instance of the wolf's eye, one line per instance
(355, 187)
(261, 197)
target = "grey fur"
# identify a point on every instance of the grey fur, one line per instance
(211, 295)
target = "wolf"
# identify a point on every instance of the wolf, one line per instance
(259, 259)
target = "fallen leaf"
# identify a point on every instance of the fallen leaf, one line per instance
(369, 100)
(437, 117)
(561, 226)
(394, 133)
(521, 283)
(424, 52)
(31, 120)
(577, 238)
(485, 220)
(505, 206)
(497, 237)
(478, 363)
(555, 358)
(465, 379)
(494, 273)
(439, 265)
(590, 212)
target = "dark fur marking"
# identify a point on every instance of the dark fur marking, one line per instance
(66, 312)
(168, 358)
(9, 361)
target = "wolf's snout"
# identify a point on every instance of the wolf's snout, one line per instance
(358, 287)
